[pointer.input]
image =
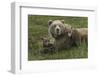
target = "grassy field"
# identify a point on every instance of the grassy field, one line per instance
(38, 27)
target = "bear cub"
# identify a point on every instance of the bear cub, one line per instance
(48, 47)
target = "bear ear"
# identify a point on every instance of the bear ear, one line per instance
(62, 21)
(50, 22)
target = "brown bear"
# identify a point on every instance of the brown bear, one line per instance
(48, 47)
(78, 36)
(59, 31)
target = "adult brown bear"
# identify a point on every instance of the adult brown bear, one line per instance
(59, 31)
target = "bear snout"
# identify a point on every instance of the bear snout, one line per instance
(57, 30)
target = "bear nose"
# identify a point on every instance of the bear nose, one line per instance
(57, 29)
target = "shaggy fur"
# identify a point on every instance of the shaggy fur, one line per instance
(79, 35)
(59, 31)
(48, 47)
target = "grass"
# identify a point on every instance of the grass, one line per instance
(38, 27)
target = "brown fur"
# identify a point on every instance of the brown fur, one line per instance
(62, 41)
(47, 45)
(79, 35)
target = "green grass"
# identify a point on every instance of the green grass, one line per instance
(38, 27)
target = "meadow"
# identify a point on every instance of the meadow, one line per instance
(38, 27)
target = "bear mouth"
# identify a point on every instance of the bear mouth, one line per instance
(57, 32)
(56, 35)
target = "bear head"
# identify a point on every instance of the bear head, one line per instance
(46, 41)
(56, 28)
